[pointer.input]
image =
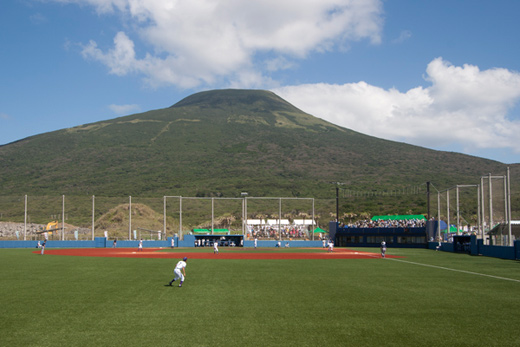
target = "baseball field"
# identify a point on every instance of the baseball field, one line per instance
(263, 297)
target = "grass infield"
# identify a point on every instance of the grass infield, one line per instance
(423, 298)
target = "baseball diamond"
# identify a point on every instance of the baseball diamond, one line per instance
(316, 253)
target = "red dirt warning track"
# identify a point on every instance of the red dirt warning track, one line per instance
(236, 254)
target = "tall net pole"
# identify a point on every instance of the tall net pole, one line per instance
(509, 207)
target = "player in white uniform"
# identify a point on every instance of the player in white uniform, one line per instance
(383, 249)
(140, 247)
(215, 247)
(331, 246)
(256, 242)
(181, 265)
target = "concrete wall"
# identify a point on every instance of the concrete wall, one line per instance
(502, 252)
(101, 242)
(478, 248)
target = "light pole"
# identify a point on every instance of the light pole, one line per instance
(337, 199)
(244, 212)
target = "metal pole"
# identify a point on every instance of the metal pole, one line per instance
(164, 218)
(337, 204)
(129, 217)
(312, 231)
(428, 198)
(244, 215)
(439, 215)
(458, 211)
(448, 210)
(479, 224)
(511, 243)
(62, 217)
(212, 214)
(280, 217)
(25, 220)
(483, 210)
(490, 203)
(93, 212)
(505, 197)
(180, 217)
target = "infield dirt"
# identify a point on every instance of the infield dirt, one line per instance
(235, 254)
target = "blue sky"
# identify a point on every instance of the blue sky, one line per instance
(439, 74)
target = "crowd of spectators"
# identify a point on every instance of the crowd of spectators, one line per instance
(398, 223)
(268, 232)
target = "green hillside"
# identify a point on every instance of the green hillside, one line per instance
(223, 142)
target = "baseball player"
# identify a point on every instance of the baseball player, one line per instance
(215, 247)
(383, 249)
(181, 265)
(140, 247)
(331, 245)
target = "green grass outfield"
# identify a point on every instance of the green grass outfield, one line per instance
(427, 298)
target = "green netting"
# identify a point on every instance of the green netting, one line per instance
(320, 230)
(208, 231)
(399, 217)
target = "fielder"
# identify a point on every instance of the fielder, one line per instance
(140, 247)
(383, 249)
(181, 265)
(215, 247)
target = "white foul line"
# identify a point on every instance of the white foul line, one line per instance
(463, 271)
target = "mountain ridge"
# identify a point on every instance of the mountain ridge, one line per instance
(219, 143)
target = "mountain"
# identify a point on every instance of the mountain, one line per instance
(221, 143)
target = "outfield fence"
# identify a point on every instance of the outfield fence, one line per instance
(156, 218)
(481, 209)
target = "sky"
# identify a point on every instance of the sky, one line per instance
(440, 74)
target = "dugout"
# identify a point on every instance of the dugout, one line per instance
(372, 237)
(207, 240)
(462, 243)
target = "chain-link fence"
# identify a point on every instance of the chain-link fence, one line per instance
(129, 218)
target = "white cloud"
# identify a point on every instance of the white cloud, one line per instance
(124, 109)
(38, 18)
(403, 36)
(121, 59)
(203, 42)
(101, 6)
(463, 106)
